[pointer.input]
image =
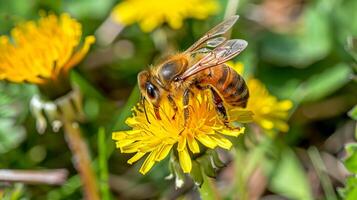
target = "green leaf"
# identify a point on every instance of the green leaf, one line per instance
(351, 160)
(89, 8)
(14, 100)
(103, 165)
(309, 43)
(14, 193)
(344, 12)
(66, 190)
(289, 178)
(11, 135)
(86, 88)
(351, 46)
(12, 12)
(353, 113)
(91, 108)
(350, 190)
(126, 110)
(325, 83)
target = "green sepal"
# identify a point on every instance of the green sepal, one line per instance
(216, 160)
(196, 173)
(206, 164)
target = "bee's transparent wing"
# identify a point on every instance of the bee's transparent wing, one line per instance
(211, 39)
(217, 56)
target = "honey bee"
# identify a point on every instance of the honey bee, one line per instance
(201, 66)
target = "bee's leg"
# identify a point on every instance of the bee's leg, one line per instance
(157, 112)
(221, 110)
(186, 99)
(173, 104)
(218, 102)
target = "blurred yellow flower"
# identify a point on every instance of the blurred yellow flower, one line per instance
(153, 13)
(158, 137)
(269, 112)
(237, 66)
(38, 52)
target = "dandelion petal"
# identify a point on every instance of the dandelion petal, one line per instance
(185, 161)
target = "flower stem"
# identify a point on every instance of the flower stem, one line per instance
(208, 191)
(103, 167)
(321, 172)
(81, 159)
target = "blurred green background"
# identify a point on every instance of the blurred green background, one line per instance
(303, 50)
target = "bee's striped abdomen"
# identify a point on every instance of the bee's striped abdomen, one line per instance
(228, 83)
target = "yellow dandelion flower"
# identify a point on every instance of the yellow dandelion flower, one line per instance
(157, 138)
(39, 52)
(269, 112)
(152, 13)
(237, 66)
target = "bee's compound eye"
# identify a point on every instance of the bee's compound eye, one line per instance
(150, 90)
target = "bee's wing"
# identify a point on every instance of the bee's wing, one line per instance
(217, 56)
(211, 39)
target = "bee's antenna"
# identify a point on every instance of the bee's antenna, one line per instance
(143, 102)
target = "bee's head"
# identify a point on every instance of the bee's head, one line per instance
(149, 90)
